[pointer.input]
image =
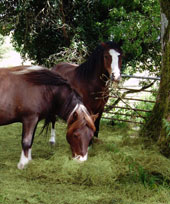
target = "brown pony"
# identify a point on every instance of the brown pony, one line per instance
(90, 78)
(30, 94)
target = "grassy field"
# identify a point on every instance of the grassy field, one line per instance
(121, 169)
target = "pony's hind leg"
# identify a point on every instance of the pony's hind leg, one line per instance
(28, 130)
(52, 139)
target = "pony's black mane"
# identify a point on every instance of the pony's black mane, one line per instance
(87, 69)
(44, 77)
(73, 99)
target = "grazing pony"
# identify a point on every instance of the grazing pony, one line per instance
(30, 94)
(90, 78)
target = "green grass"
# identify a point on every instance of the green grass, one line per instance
(121, 169)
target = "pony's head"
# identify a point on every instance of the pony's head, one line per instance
(112, 57)
(80, 132)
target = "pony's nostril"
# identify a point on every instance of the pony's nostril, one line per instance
(114, 78)
(78, 157)
(118, 79)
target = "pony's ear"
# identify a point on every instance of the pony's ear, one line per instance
(75, 116)
(94, 117)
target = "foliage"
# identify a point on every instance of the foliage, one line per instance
(120, 169)
(138, 173)
(137, 24)
(47, 30)
(167, 127)
(146, 106)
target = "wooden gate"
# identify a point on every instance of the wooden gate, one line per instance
(120, 106)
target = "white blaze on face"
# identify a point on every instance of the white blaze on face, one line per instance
(115, 63)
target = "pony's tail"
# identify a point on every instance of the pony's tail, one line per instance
(45, 127)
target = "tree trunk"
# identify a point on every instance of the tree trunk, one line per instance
(155, 128)
(65, 34)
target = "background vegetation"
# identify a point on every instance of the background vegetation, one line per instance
(49, 31)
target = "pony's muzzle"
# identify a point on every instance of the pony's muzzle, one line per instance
(115, 78)
(80, 158)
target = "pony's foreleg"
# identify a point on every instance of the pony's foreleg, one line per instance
(29, 127)
(53, 134)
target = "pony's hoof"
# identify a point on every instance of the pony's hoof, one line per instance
(52, 143)
(20, 166)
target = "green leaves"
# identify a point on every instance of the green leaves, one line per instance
(166, 125)
(42, 29)
(138, 28)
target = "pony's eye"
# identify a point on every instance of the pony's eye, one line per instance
(75, 136)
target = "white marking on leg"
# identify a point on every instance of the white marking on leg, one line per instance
(53, 136)
(29, 154)
(115, 63)
(24, 160)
